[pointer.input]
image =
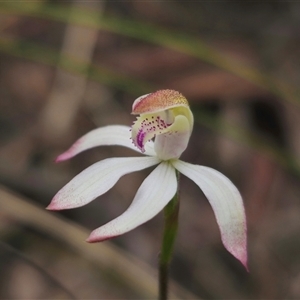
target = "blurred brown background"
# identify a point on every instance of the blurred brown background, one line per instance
(69, 67)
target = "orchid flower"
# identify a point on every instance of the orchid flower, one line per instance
(161, 132)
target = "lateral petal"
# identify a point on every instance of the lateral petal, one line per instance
(97, 180)
(152, 196)
(226, 203)
(104, 136)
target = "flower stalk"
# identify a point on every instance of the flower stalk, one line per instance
(171, 212)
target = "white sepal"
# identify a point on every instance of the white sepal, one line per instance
(105, 136)
(97, 180)
(152, 196)
(226, 203)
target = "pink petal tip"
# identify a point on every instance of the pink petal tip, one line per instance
(245, 264)
(93, 238)
(62, 157)
(70, 152)
(53, 205)
(49, 207)
(241, 255)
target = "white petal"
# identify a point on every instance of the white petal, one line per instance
(105, 136)
(153, 195)
(227, 205)
(96, 180)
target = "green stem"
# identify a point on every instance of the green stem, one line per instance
(170, 230)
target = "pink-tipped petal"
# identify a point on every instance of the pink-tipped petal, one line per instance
(226, 203)
(96, 180)
(153, 195)
(104, 136)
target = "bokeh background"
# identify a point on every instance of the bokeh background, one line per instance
(67, 67)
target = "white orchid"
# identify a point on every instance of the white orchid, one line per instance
(161, 132)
